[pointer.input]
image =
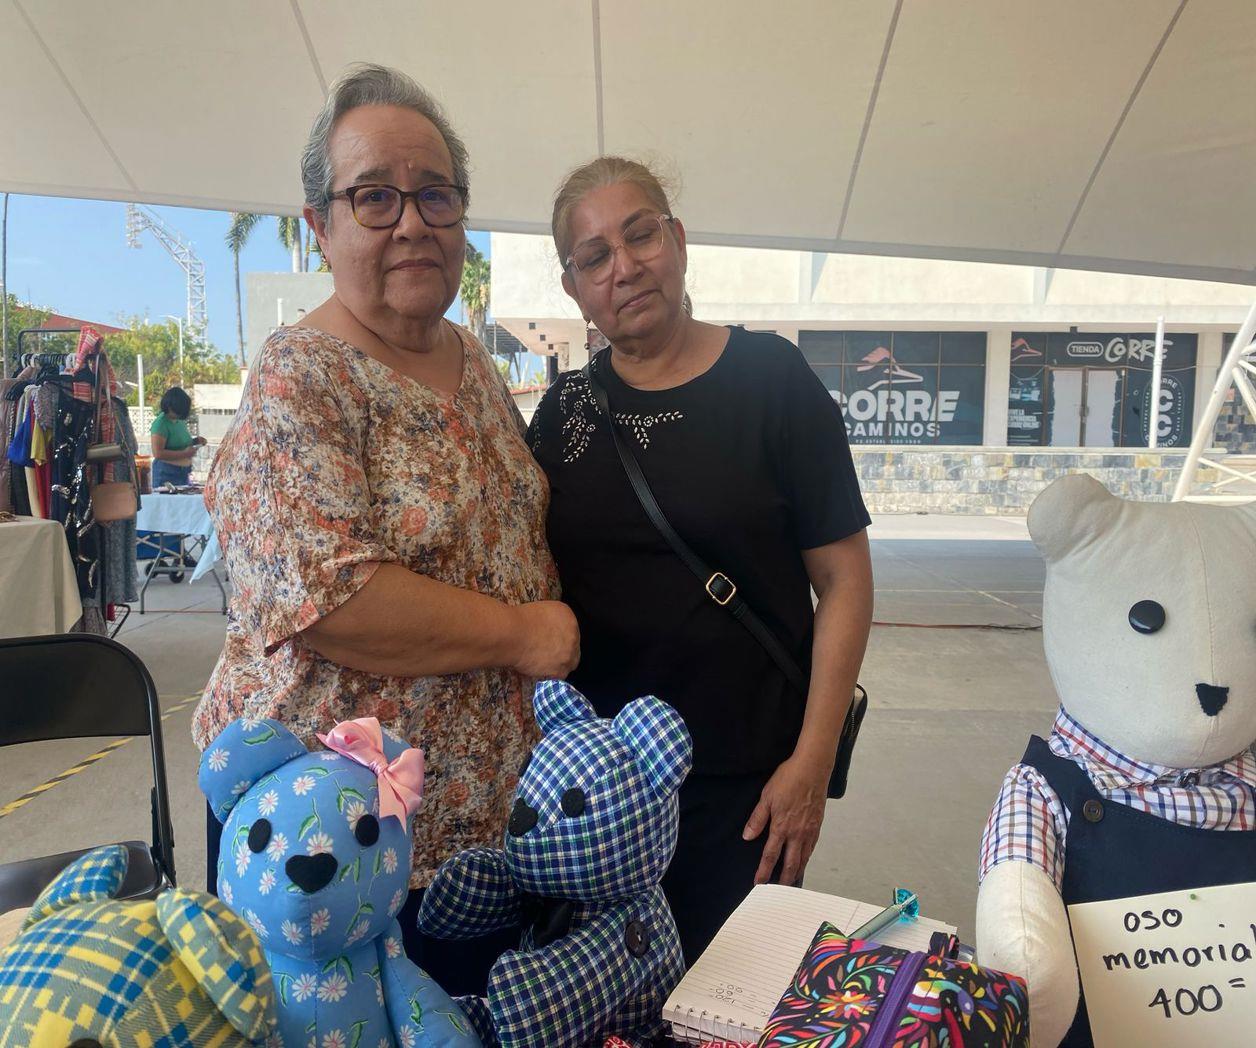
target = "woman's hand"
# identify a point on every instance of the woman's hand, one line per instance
(547, 640)
(792, 808)
(199, 442)
(792, 803)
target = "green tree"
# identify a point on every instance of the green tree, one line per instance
(158, 344)
(21, 317)
(476, 290)
(312, 248)
(242, 225)
(290, 238)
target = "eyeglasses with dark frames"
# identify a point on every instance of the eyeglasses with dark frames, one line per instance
(377, 205)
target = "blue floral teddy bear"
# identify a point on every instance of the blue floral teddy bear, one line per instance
(316, 852)
(590, 836)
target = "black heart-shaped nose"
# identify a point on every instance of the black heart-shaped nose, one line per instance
(522, 818)
(1211, 698)
(311, 872)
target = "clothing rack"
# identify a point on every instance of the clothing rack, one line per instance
(60, 367)
(60, 360)
(34, 334)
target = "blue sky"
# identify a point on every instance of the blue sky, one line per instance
(71, 256)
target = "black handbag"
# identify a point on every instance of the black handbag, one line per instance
(721, 589)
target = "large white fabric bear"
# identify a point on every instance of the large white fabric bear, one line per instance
(1146, 782)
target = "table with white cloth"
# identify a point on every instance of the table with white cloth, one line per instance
(38, 590)
(181, 517)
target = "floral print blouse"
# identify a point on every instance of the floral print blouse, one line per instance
(334, 465)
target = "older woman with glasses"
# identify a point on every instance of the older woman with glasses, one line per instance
(746, 454)
(379, 511)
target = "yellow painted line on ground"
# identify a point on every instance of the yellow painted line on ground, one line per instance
(87, 762)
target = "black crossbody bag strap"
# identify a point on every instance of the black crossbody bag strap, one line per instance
(721, 589)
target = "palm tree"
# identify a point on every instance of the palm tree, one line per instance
(476, 290)
(290, 237)
(242, 225)
(312, 248)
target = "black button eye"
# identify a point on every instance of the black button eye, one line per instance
(367, 830)
(572, 802)
(259, 835)
(1147, 616)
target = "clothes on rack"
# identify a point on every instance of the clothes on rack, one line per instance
(93, 620)
(27, 409)
(71, 489)
(25, 436)
(48, 420)
(29, 449)
(8, 412)
(122, 581)
(91, 368)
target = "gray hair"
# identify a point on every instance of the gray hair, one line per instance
(363, 84)
(603, 171)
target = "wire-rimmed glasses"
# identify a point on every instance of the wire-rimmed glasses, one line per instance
(642, 241)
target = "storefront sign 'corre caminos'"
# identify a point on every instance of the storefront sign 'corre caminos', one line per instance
(903, 387)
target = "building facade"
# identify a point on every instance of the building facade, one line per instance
(276, 299)
(966, 386)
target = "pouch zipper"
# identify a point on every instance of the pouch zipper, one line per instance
(881, 1035)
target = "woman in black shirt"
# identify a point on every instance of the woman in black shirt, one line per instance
(746, 453)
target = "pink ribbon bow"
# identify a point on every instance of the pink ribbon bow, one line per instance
(400, 782)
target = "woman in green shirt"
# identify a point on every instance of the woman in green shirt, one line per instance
(173, 446)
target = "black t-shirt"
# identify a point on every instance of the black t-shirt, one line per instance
(750, 463)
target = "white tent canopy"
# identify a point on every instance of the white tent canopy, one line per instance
(1094, 134)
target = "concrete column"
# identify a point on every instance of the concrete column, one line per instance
(810, 266)
(1207, 364)
(998, 377)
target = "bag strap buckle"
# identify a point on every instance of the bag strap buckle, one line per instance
(720, 588)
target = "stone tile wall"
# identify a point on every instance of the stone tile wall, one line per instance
(1001, 481)
(1236, 430)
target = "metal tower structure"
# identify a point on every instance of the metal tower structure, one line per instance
(1233, 477)
(140, 218)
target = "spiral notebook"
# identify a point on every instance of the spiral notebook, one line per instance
(733, 987)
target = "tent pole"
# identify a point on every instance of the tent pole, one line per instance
(1204, 430)
(4, 285)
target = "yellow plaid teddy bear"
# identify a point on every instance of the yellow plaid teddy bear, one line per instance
(178, 971)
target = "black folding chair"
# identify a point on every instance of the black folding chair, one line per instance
(72, 686)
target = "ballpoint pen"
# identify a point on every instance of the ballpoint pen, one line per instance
(906, 905)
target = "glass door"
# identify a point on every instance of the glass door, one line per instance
(1066, 395)
(1101, 417)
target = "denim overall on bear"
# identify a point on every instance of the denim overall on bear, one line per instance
(1112, 851)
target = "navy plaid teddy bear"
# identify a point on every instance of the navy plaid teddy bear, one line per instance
(590, 836)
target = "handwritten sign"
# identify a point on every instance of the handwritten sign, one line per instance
(1170, 969)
